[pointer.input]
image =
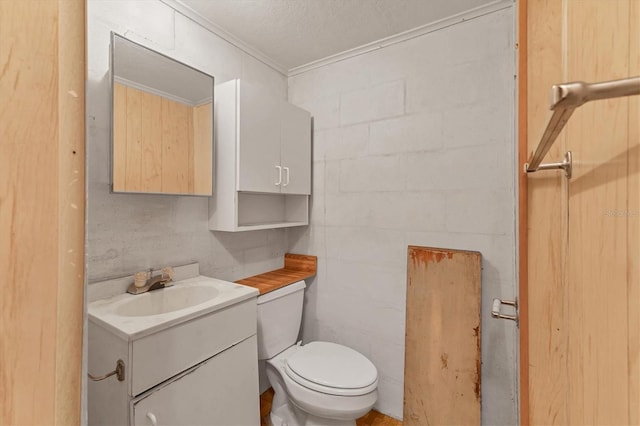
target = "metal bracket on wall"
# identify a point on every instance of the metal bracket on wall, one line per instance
(566, 165)
(564, 99)
(495, 309)
(118, 372)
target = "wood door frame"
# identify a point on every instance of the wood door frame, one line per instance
(523, 209)
(42, 210)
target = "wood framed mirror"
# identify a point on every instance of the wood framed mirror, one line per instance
(162, 123)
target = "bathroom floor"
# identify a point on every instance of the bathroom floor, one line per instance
(373, 418)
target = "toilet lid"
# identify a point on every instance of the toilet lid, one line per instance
(332, 368)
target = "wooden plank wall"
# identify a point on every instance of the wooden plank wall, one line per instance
(151, 141)
(633, 222)
(42, 128)
(177, 127)
(442, 346)
(160, 146)
(584, 289)
(202, 148)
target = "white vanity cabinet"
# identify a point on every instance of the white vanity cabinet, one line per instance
(201, 368)
(214, 392)
(263, 160)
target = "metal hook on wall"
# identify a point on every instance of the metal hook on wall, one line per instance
(118, 372)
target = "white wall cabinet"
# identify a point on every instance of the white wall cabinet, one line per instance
(263, 160)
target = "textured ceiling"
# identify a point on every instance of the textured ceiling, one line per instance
(296, 32)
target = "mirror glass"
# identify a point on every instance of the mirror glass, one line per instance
(162, 123)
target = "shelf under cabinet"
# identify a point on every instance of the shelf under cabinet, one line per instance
(269, 225)
(258, 209)
(255, 211)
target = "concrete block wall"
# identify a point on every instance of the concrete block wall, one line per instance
(126, 233)
(414, 144)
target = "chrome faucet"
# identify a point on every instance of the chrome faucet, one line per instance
(145, 281)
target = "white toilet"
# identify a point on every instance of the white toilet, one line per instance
(317, 384)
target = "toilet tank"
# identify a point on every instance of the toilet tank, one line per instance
(279, 318)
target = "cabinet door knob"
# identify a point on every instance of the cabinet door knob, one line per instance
(152, 417)
(279, 175)
(286, 169)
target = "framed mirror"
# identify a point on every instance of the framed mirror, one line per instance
(162, 123)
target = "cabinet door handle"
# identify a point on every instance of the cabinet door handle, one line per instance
(286, 169)
(279, 175)
(152, 417)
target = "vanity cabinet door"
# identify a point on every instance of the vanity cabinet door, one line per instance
(220, 391)
(295, 149)
(258, 125)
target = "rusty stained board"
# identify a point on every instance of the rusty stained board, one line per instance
(442, 358)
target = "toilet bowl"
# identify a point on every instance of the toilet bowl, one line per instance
(320, 383)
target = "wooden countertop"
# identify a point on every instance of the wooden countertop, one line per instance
(297, 267)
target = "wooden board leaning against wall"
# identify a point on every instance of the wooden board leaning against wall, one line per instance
(442, 337)
(580, 335)
(160, 145)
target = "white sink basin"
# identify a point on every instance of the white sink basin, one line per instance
(134, 316)
(166, 300)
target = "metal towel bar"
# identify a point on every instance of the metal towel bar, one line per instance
(564, 99)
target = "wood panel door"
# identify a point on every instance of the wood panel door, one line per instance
(580, 287)
(42, 140)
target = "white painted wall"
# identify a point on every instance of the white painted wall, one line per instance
(126, 233)
(413, 145)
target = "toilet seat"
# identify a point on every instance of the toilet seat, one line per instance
(332, 369)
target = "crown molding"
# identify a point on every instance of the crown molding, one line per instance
(477, 12)
(185, 10)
